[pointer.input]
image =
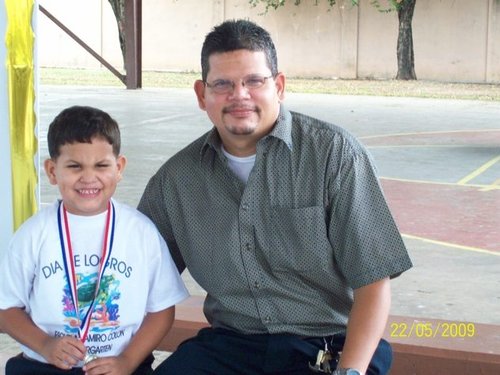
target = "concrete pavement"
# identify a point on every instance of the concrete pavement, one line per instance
(438, 161)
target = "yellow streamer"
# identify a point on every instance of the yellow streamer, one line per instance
(19, 41)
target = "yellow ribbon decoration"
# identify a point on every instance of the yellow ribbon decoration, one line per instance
(19, 41)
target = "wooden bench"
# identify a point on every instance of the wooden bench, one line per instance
(450, 349)
(421, 346)
(189, 319)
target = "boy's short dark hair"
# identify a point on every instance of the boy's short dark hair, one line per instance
(234, 35)
(80, 124)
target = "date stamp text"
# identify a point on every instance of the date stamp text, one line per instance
(432, 329)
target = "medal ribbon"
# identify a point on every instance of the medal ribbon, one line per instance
(69, 262)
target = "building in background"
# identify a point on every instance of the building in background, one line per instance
(454, 40)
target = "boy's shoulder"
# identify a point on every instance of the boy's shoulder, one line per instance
(38, 227)
(41, 218)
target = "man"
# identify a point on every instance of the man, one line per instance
(280, 218)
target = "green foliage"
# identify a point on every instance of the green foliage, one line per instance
(390, 5)
(275, 4)
(380, 5)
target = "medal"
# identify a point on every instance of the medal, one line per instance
(89, 358)
(69, 267)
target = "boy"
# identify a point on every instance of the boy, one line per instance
(88, 284)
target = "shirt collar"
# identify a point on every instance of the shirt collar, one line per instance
(282, 130)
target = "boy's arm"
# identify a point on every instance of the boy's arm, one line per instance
(153, 328)
(63, 352)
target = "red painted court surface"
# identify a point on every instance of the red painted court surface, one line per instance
(461, 212)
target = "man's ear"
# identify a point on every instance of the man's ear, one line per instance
(199, 89)
(280, 81)
(50, 165)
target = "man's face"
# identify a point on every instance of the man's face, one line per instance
(243, 115)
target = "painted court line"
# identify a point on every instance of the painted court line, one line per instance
(495, 185)
(452, 245)
(428, 133)
(424, 146)
(479, 171)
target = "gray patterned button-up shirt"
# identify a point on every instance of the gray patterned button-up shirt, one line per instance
(283, 253)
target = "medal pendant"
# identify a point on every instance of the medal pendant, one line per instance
(89, 358)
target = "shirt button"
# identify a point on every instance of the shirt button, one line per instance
(256, 285)
(245, 206)
(248, 246)
(267, 319)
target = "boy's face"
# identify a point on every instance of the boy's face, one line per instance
(86, 174)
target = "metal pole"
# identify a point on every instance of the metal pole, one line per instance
(110, 67)
(133, 43)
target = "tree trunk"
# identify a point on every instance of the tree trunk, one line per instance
(406, 60)
(118, 7)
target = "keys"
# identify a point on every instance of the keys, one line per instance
(323, 359)
(319, 359)
(325, 362)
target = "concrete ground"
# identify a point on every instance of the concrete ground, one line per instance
(438, 160)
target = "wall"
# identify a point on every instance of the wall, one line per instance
(92, 21)
(453, 40)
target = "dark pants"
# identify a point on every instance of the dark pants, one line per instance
(20, 365)
(224, 352)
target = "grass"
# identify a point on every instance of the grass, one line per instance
(419, 89)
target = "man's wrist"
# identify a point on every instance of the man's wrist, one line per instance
(346, 371)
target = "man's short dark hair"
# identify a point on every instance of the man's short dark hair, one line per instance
(81, 124)
(235, 35)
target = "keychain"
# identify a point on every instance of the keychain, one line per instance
(323, 359)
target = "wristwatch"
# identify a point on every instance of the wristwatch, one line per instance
(346, 371)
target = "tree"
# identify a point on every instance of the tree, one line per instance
(118, 7)
(406, 57)
(405, 8)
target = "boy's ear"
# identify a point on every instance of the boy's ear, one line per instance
(121, 162)
(49, 165)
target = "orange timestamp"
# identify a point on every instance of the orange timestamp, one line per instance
(432, 329)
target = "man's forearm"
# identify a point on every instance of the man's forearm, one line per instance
(366, 324)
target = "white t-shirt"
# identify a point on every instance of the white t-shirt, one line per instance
(140, 277)
(241, 166)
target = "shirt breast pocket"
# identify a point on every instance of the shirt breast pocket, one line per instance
(296, 239)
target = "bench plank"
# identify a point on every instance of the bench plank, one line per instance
(439, 355)
(189, 319)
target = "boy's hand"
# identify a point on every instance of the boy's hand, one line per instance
(63, 352)
(108, 366)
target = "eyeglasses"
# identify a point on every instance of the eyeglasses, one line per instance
(225, 86)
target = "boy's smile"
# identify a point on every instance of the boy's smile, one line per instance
(86, 174)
